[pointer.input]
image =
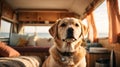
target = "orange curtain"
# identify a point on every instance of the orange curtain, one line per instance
(92, 34)
(114, 20)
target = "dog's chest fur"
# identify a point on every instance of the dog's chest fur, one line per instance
(67, 61)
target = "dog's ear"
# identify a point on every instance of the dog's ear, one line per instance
(54, 29)
(84, 29)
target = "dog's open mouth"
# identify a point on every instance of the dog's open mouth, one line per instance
(69, 40)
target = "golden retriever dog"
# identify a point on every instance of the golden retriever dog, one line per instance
(67, 51)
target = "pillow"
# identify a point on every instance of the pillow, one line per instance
(44, 42)
(15, 38)
(32, 40)
(7, 51)
(22, 42)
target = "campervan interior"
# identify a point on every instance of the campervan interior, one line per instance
(24, 26)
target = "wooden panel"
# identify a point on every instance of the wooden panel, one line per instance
(7, 11)
(47, 16)
(15, 18)
(34, 51)
(63, 15)
(42, 55)
(42, 16)
(0, 12)
(27, 16)
(0, 8)
(92, 57)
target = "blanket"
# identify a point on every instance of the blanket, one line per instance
(21, 61)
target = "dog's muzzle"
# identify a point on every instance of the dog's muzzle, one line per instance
(70, 37)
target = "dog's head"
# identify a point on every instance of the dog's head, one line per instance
(67, 33)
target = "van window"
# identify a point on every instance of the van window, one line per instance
(5, 29)
(101, 20)
(41, 31)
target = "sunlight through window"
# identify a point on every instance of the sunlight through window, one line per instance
(101, 20)
(41, 31)
(5, 29)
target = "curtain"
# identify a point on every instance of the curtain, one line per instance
(14, 30)
(92, 34)
(114, 20)
(20, 28)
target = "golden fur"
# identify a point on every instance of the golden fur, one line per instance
(62, 44)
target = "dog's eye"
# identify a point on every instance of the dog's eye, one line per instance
(77, 25)
(63, 25)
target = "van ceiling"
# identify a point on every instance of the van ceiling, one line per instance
(76, 6)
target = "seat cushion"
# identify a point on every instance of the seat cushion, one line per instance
(7, 51)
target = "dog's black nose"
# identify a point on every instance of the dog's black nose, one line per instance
(70, 33)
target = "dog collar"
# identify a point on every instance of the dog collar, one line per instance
(69, 54)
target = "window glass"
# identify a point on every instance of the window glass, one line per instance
(5, 29)
(101, 20)
(41, 31)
